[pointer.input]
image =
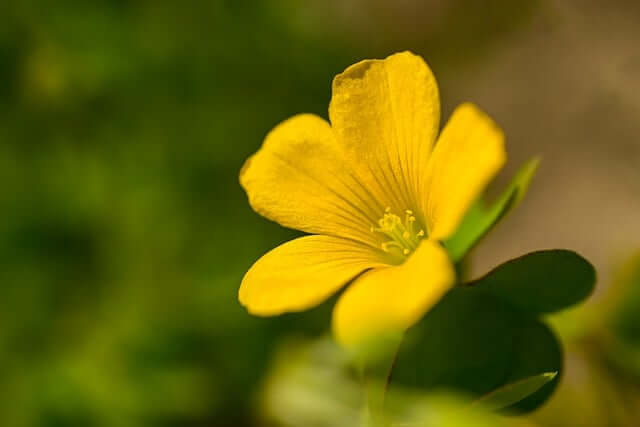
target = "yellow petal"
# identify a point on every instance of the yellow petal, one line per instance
(469, 153)
(386, 114)
(300, 179)
(394, 298)
(302, 273)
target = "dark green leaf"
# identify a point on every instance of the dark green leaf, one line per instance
(475, 343)
(481, 217)
(541, 282)
(536, 350)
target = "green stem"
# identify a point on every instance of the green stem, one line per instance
(376, 388)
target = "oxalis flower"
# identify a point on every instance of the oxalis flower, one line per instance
(377, 192)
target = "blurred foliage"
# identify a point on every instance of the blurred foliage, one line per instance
(624, 315)
(125, 233)
(311, 383)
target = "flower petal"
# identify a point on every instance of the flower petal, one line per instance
(302, 273)
(300, 179)
(386, 114)
(393, 298)
(469, 153)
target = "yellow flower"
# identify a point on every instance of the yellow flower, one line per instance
(377, 193)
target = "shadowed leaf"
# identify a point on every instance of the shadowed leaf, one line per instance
(473, 342)
(542, 281)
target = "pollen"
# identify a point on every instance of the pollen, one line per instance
(403, 238)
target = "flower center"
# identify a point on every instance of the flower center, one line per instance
(404, 238)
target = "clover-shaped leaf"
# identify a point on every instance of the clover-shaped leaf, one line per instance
(541, 282)
(475, 342)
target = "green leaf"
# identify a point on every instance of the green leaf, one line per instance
(376, 370)
(512, 393)
(541, 282)
(474, 342)
(481, 218)
(533, 354)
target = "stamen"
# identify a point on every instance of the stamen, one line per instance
(403, 237)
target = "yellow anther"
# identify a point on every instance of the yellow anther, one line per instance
(402, 237)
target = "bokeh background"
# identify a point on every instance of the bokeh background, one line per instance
(125, 233)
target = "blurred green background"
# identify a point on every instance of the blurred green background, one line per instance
(123, 126)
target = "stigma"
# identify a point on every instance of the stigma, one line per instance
(404, 237)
